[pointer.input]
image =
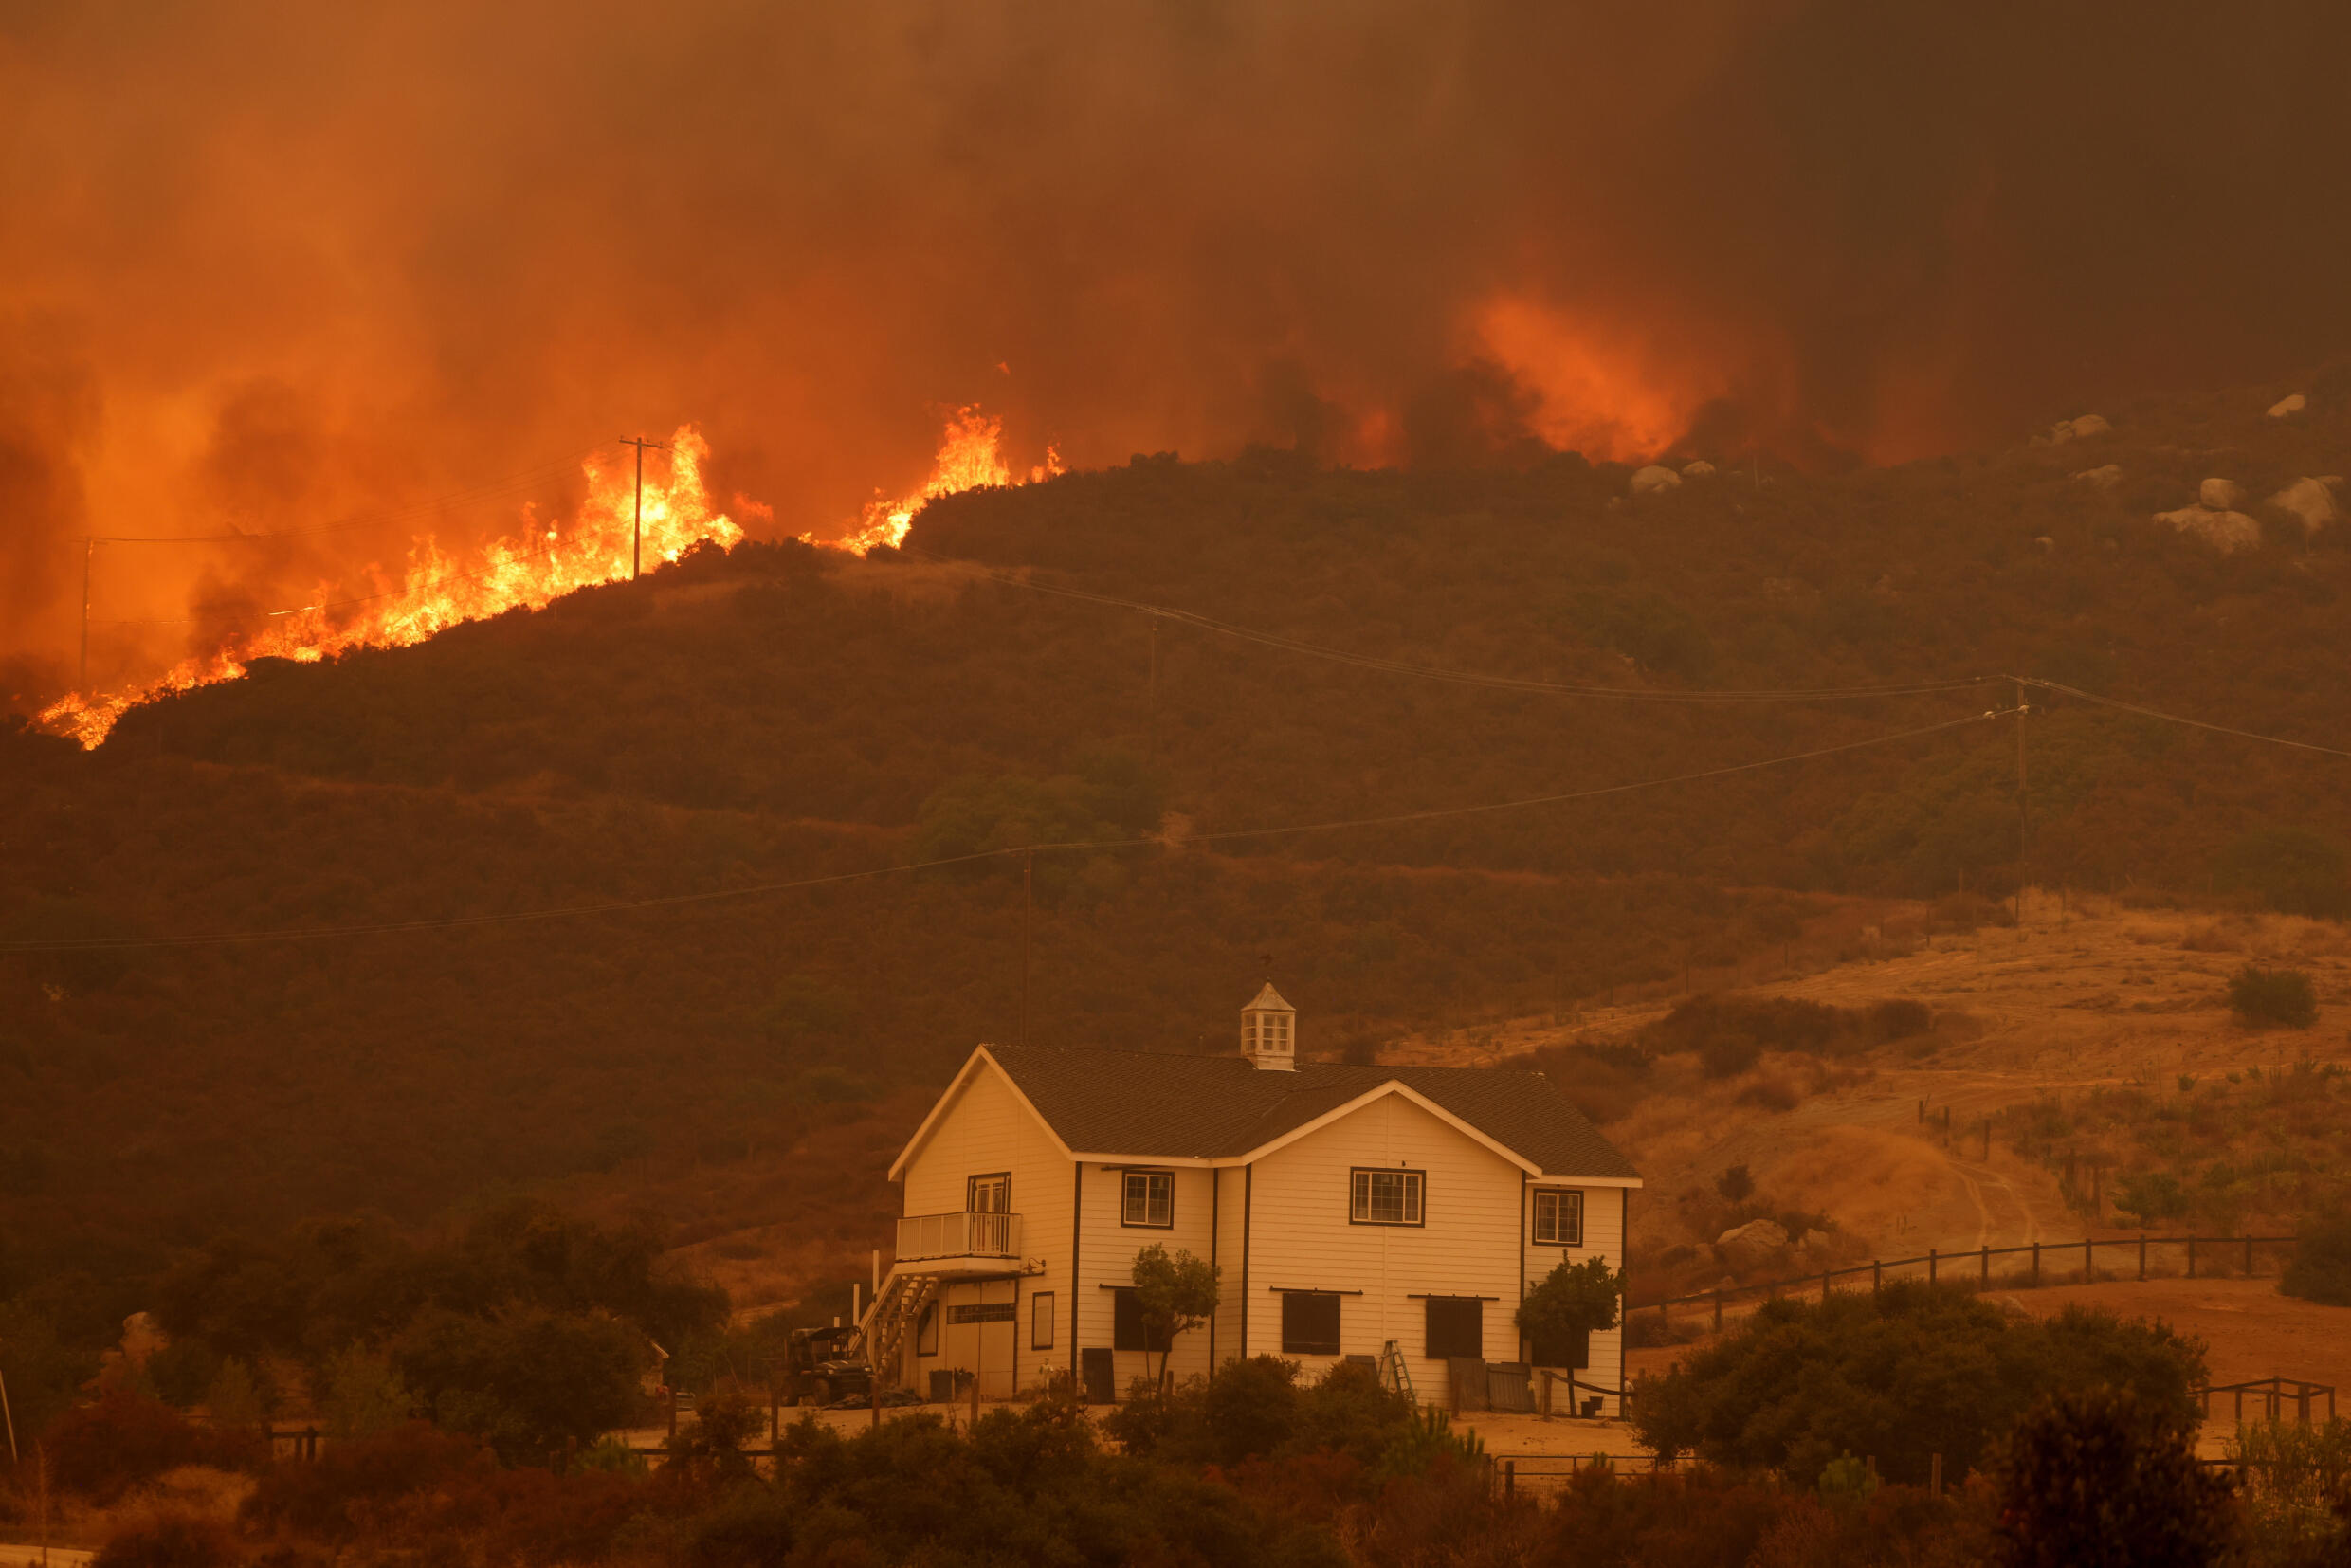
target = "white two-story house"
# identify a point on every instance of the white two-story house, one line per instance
(1395, 1213)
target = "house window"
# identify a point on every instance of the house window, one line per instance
(1456, 1326)
(982, 1312)
(926, 1331)
(1150, 1198)
(989, 1194)
(1126, 1323)
(1309, 1322)
(1386, 1197)
(1558, 1219)
(1040, 1321)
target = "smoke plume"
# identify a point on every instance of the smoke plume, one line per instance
(277, 264)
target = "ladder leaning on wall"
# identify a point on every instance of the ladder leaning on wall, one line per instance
(1394, 1373)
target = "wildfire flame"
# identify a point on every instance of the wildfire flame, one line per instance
(437, 590)
(970, 455)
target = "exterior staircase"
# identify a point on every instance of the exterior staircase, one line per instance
(892, 1317)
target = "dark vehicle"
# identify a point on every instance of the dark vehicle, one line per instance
(821, 1368)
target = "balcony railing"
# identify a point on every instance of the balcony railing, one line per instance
(958, 1236)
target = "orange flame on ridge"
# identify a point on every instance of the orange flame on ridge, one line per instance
(970, 457)
(437, 591)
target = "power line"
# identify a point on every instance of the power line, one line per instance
(1508, 683)
(2175, 719)
(487, 490)
(548, 549)
(762, 889)
(1460, 677)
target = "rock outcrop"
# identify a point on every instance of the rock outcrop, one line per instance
(2225, 530)
(2105, 478)
(2288, 405)
(2219, 495)
(1655, 478)
(2081, 427)
(1698, 469)
(2309, 501)
(1752, 1242)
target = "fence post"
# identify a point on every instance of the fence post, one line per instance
(2143, 1255)
(1509, 1479)
(2190, 1257)
(1921, 1113)
(1930, 1265)
(2088, 1270)
(2302, 1400)
(1934, 1473)
(2037, 1263)
(1823, 1286)
(1877, 1275)
(2248, 1256)
(1983, 1264)
(1718, 1309)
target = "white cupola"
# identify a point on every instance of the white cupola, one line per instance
(1270, 1031)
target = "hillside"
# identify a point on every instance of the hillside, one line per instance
(782, 714)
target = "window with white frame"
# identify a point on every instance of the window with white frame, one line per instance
(1386, 1197)
(1150, 1200)
(1558, 1217)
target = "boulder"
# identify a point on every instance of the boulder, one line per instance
(1655, 478)
(2310, 501)
(2046, 542)
(2105, 478)
(2219, 495)
(2227, 531)
(2288, 405)
(2079, 428)
(1699, 469)
(1755, 1240)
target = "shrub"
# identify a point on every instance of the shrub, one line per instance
(2101, 1477)
(337, 1495)
(103, 1449)
(169, 1540)
(2279, 996)
(1734, 1185)
(1251, 1408)
(1909, 1372)
(2320, 1270)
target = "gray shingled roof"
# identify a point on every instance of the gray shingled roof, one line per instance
(1206, 1107)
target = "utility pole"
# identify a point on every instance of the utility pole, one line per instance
(10, 1416)
(82, 677)
(636, 535)
(1027, 869)
(2023, 842)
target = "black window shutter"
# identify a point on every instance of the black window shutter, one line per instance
(1127, 1322)
(1309, 1322)
(1456, 1327)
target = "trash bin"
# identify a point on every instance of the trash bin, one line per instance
(943, 1386)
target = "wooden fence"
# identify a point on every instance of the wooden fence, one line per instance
(1976, 1267)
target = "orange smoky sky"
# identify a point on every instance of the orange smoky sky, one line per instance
(268, 266)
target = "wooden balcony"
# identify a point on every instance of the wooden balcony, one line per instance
(961, 1242)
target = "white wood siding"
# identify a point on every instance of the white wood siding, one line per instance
(1233, 1184)
(1604, 1237)
(1106, 1250)
(986, 1129)
(1467, 1245)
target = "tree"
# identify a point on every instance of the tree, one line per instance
(1175, 1294)
(526, 1379)
(2321, 1267)
(2100, 1478)
(1574, 1301)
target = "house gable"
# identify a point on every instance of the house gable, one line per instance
(979, 1063)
